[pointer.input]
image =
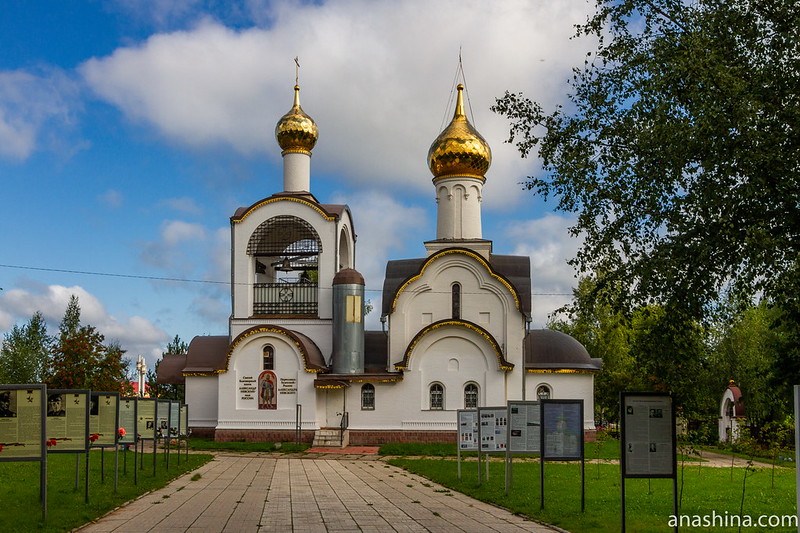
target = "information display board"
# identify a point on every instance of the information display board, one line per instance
(104, 418)
(493, 429)
(162, 418)
(524, 427)
(146, 418)
(21, 422)
(67, 421)
(184, 424)
(174, 418)
(648, 435)
(562, 429)
(127, 420)
(467, 430)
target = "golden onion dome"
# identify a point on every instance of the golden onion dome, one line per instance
(296, 131)
(459, 150)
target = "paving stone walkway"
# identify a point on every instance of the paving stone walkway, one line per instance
(259, 493)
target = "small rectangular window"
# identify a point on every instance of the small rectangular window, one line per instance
(269, 358)
(368, 397)
(437, 397)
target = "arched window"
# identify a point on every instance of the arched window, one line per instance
(543, 392)
(268, 358)
(437, 397)
(470, 396)
(368, 397)
(456, 300)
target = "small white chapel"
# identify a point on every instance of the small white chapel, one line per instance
(297, 361)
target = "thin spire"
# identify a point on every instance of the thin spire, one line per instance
(460, 101)
(296, 70)
(460, 83)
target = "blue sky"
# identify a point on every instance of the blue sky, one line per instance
(130, 131)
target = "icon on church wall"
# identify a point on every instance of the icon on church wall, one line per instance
(267, 390)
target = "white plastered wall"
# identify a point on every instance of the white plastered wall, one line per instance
(566, 386)
(452, 356)
(485, 301)
(728, 425)
(245, 366)
(331, 234)
(201, 396)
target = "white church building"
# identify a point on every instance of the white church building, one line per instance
(455, 334)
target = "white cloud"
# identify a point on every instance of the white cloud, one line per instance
(178, 248)
(546, 240)
(377, 90)
(183, 205)
(33, 108)
(111, 198)
(160, 13)
(135, 334)
(174, 232)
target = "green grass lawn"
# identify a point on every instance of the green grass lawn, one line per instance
(648, 502)
(21, 509)
(601, 449)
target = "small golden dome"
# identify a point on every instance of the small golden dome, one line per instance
(459, 150)
(296, 131)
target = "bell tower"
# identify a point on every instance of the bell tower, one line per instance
(458, 160)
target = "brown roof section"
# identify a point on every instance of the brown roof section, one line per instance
(312, 353)
(376, 351)
(170, 369)
(207, 355)
(547, 349)
(738, 403)
(396, 273)
(348, 276)
(516, 269)
(331, 210)
(312, 356)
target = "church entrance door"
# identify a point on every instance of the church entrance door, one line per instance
(334, 408)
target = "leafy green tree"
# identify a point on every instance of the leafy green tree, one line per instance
(605, 333)
(672, 353)
(82, 361)
(25, 354)
(679, 150)
(72, 318)
(176, 346)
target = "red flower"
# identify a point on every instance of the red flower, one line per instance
(1, 447)
(93, 437)
(122, 432)
(51, 442)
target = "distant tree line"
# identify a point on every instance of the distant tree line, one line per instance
(649, 349)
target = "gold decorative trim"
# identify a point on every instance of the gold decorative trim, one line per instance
(468, 253)
(312, 205)
(296, 151)
(256, 330)
(330, 386)
(459, 175)
(501, 360)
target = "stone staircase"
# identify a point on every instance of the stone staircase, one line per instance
(331, 438)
